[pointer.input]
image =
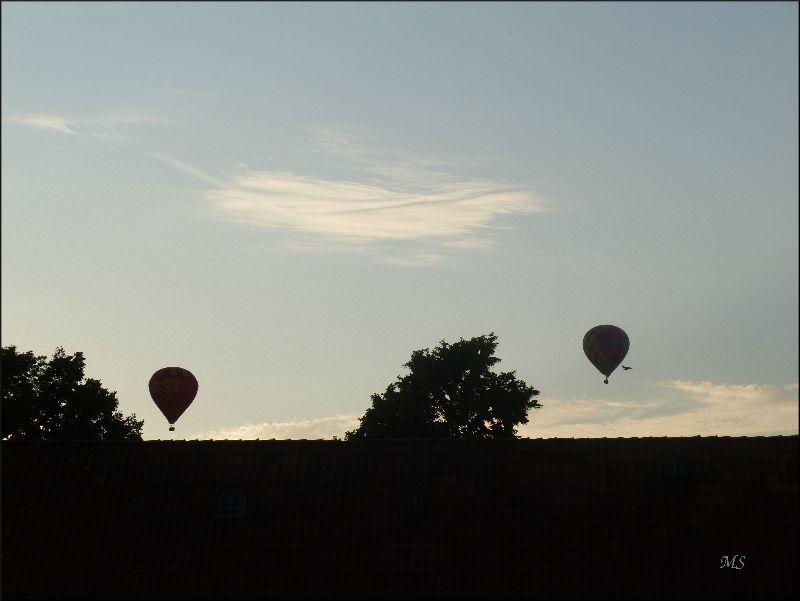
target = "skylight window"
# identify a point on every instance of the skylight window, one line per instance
(415, 504)
(231, 504)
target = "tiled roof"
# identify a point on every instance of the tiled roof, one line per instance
(625, 518)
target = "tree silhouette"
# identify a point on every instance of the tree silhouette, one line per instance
(450, 393)
(50, 400)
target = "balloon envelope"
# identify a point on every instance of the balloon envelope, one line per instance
(606, 346)
(173, 389)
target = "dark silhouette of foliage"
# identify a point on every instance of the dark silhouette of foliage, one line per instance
(450, 393)
(50, 400)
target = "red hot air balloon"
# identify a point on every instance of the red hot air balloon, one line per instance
(606, 347)
(173, 389)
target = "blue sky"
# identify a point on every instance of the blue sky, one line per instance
(288, 199)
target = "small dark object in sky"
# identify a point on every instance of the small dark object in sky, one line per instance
(173, 389)
(606, 346)
(626, 367)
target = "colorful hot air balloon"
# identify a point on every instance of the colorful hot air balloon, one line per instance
(173, 389)
(606, 347)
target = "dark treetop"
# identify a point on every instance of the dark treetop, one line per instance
(51, 400)
(450, 392)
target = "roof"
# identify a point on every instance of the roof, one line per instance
(619, 518)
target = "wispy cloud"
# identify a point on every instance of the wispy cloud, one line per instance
(349, 210)
(322, 428)
(470, 243)
(420, 259)
(386, 197)
(683, 409)
(103, 126)
(749, 393)
(126, 117)
(42, 121)
(375, 162)
(404, 209)
(186, 168)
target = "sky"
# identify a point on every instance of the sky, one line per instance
(287, 199)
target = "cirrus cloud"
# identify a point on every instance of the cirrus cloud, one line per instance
(346, 210)
(388, 197)
(103, 126)
(43, 121)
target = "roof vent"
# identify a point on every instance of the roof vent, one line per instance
(415, 504)
(231, 504)
(676, 469)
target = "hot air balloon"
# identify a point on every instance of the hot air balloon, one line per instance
(606, 347)
(173, 389)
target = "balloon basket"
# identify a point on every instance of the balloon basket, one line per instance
(605, 381)
(172, 428)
